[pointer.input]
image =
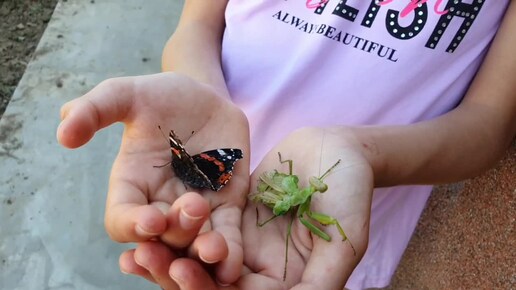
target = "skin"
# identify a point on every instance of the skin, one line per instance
(210, 240)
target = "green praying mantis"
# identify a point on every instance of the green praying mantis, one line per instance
(281, 192)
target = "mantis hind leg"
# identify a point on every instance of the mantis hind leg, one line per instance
(289, 161)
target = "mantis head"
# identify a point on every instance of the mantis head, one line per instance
(318, 184)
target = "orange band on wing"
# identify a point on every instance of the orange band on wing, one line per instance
(214, 160)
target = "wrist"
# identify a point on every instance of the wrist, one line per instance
(365, 146)
(194, 50)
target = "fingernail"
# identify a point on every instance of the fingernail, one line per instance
(207, 261)
(187, 221)
(124, 272)
(144, 264)
(178, 281)
(142, 232)
(221, 284)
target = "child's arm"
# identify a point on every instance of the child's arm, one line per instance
(462, 143)
(195, 47)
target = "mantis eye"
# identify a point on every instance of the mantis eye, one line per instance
(318, 184)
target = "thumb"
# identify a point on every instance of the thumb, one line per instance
(107, 103)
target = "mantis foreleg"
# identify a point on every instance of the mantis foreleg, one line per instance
(328, 220)
(305, 208)
(315, 229)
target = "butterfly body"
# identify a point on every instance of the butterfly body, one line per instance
(210, 169)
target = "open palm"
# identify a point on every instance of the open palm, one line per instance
(141, 203)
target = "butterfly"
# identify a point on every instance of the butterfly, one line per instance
(210, 169)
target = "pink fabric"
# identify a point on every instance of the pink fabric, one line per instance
(296, 63)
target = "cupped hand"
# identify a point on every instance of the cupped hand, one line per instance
(313, 263)
(150, 205)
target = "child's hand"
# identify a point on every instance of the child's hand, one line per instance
(312, 261)
(143, 202)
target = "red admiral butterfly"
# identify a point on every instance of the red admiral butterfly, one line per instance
(211, 169)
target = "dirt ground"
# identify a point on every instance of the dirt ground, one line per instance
(22, 23)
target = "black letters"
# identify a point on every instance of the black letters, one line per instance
(338, 36)
(455, 8)
(346, 11)
(395, 29)
(371, 13)
(342, 9)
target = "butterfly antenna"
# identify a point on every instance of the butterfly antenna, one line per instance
(193, 132)
(164, 136)
(162, 133)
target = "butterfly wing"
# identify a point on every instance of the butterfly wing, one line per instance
(184, 166)
(217, 165)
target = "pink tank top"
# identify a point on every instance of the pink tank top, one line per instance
(295, 63)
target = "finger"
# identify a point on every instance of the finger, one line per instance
(190, 275)
(156, 258)
(185, 218)
(227, 221)
(210, 247)
(134, 222)
(329, 266)
(107, 103)
(129, 266)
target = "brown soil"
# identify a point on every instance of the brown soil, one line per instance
(22, 23)
(466, 236)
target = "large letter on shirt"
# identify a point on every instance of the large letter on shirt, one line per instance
(455, 8)
(418, 9)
